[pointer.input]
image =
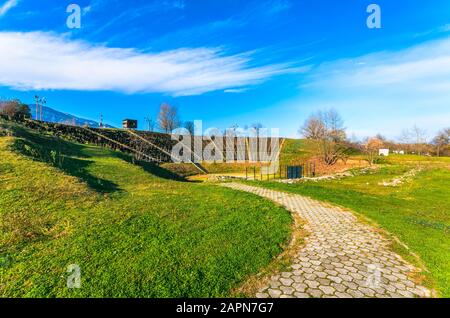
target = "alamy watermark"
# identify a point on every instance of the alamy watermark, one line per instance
(374, 19)
(232, 145)
(74, 19)
(75, 12)
(374, 279)
(74, 278)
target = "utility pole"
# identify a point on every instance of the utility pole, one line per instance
(101, 121)
(36, 98)
(43, 102)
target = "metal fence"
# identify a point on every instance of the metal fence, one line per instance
(307, 170)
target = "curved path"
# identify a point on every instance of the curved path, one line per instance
(342, 257)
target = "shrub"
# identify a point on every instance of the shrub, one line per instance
(15, 109)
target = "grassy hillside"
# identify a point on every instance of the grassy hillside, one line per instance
(133, 230)
(296, 151)
(417, 211)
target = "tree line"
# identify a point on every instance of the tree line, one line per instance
(168, 120)
(326, 129)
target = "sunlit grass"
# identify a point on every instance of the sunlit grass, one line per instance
(133, 230)
(417, 212)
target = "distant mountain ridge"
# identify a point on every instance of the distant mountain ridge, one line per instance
(54, 116)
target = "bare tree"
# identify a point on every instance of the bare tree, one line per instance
(381, 137)
(233, 129)
(150, 123)
(313, 128)
(406, 139)
(415, 139)
(333, 146)
(257, 128)
(327, 129)
(334, 125)
(371, 149)
(419, 134)
(15, 109)
(420, 139)
(441, 140)
(190, 126)
(168, 119)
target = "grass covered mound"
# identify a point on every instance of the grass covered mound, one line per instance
(417, 211)
(135, 231)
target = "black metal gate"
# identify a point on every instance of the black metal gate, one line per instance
(294, 172)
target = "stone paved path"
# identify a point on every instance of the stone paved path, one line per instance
(342, 257)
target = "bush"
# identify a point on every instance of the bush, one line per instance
(15, 109)
(380, 160)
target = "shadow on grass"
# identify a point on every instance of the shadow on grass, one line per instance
(78, 168)
(151, 168)
(63, 155)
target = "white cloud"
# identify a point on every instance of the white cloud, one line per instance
(383, 92)
(236, 90)
(39, 60)
(422, 68)
(8, 5)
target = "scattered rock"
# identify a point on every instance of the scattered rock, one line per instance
(407, 177)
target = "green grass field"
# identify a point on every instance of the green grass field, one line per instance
(296, 151)
(417, 212)
(133, 230)
(143, 231)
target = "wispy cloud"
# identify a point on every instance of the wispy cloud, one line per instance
(388, 90)
(135, 12)
(8, 5)
(440, 29)
(276, 6)
(236, 90)
(175, 4)
(422, 68)
(46, 61)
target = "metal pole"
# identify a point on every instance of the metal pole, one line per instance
(36, 98)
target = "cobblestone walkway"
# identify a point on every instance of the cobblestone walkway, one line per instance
(342, 257)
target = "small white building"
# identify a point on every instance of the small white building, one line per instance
(383, 152)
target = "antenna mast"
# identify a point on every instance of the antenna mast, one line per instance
(36, 98)
(43, 102)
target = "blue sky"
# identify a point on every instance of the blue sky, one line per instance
(234, 62)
